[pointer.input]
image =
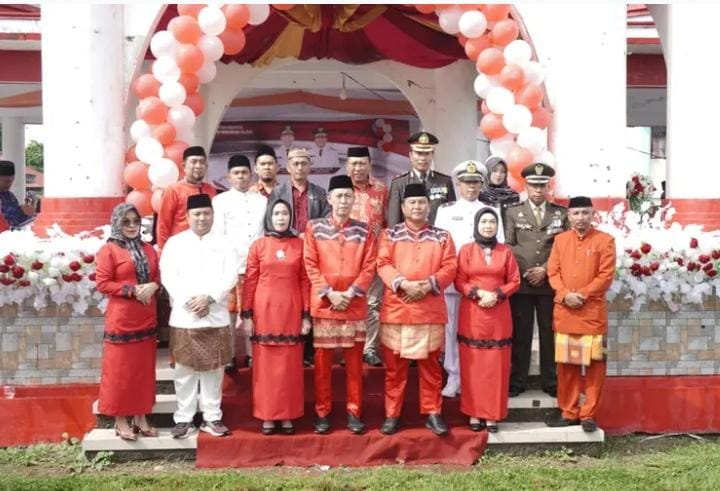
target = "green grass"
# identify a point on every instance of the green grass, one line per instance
(627, 463)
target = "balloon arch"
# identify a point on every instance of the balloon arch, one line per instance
(508, 81)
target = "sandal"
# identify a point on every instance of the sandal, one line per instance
(150, 432)
(129, 436)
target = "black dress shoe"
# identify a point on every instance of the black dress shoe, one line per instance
(515, 391)
(287, 430)
(436, 424)
(588, 425)
(248, 361)
(478, 426)
(322, 426)
(552, 391)
(267, 430)
(231, 367)
(372, 359)
(390, 426)
(492, 428)
(308, 362)
(556, 420)
(355, 425)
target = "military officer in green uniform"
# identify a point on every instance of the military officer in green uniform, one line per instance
(439, 186)
(530, 229)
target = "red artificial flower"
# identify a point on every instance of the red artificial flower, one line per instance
(75, 266)
(715, 254)
(4, 268)
(655, 265)
(707, 267)
(646, 248)
(36, 265)
(712, 273)
(24, 283)
(18, 272)
(691, 266)
(76, 276)
(693, 243)
(646, 271)
(88, 259)
(636, 273)
(635, 267)
(7, 281)
(704, 258)
(9, 260)
(680, 261)
(67, 278)
(635, 254)
(91, 277)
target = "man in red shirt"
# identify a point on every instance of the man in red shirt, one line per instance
(266, 168)
(370, 204)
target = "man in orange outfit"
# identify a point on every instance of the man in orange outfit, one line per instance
(417, 262)
(581, 268)
(340, 262)
(172, 217)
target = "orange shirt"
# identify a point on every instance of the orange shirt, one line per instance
(371, 204)
(339, 257)
(585, 265)
(259, 187)
(425, 254)
(172, 217)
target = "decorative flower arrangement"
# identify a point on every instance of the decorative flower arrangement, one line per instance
(660, 261)
(639, 192)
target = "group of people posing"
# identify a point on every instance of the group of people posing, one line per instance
(394, 277)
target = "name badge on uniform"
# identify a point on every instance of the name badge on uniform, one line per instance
(458, 218)
(280, 254)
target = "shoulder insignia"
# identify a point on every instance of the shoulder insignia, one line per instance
(401, 175)
(515, 205)
(449, 203)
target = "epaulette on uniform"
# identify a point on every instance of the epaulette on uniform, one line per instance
(449, 203)
(400, 175)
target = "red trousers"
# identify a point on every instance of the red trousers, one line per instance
(568, 391)
(354, 379)
(396, 375)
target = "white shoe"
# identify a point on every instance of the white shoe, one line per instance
(452, 388)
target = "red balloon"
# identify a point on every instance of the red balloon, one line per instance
(174, 151)
(156, 199)
(425, 8)
(512, 77)
(146, 86)
(470, 6)
(136, 175)
(477, 45)
(497, 11)
(130, 155)
(233, 40)
(283, 6)
(141, 200)
(492, 126)
(193, 10)
(541, 117)
(514, 183)
(237, 15)
(517, 159)
(152, 110)
(185, 29)
(164, 133)
(530, 96)
(196, 103)
(490, 61)
(190, 81)
(386, 147)
(483, 107)
(189, 58)
(504, 32)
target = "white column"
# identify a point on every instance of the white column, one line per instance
(583, 50)
(692, 168)
(455, 115)
(13, 144)
(83, 99)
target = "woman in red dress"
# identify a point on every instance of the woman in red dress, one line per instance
(487, 275)
(127, 273)
(275, 313)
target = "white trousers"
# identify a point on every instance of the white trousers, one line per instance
(452, 360)
(186, 389)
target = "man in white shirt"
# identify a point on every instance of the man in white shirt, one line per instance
(287, 140)
(239, 215)
(324, 155)
(199, 268)
(458, 218)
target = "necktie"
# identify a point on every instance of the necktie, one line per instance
(538, 215)
(423, 178)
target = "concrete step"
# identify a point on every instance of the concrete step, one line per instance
(162, 447)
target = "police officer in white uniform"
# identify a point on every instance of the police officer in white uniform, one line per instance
(457, 218)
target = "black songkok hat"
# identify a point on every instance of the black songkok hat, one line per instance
(415, 190)
(358, 152)
(265, 150)
(340, 182)
(580, 202)
(7, 168)
(238, 161)
(199, 201)
(195, 151)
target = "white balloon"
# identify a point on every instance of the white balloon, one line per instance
(259, 13)
(517, 52)
(165, 69)
(499, 100)
(162, 173)
(387, 127)
(139, 130)
(172, 94)
(501, 146)
(547, 157)
(387, 137)
(163, 43)
(483, 83)
(207, 72)
(534, 72)
(533, 139)
(211, 47)
(379, 122)
(181, 117)
(449, 19)
(472, 24)
(149, 150)
(212, 21)
(517, 118)
(185, 135)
